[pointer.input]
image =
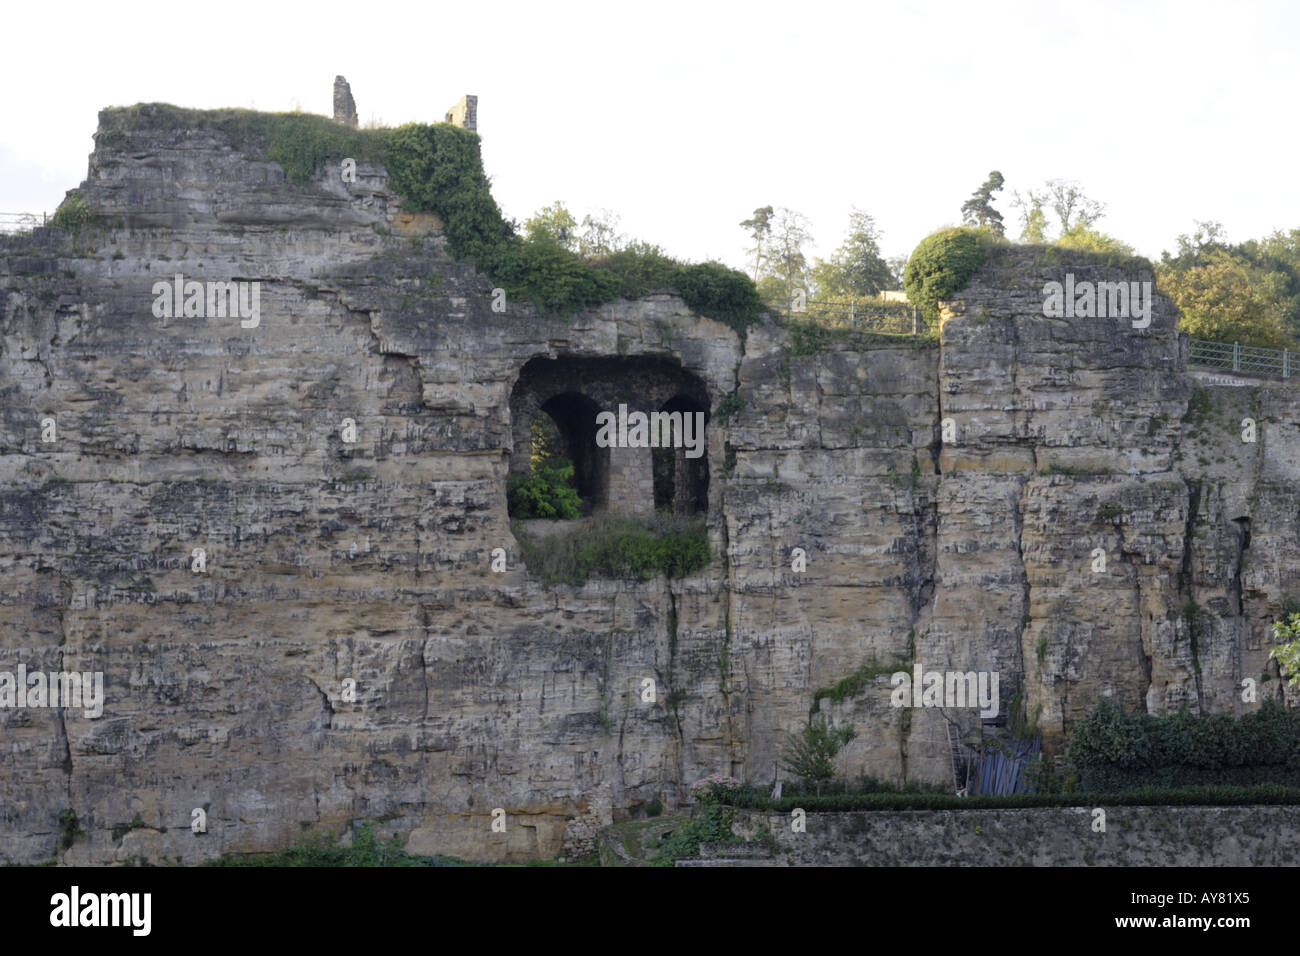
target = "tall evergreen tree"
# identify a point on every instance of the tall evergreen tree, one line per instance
(760, 228)
(979, 211)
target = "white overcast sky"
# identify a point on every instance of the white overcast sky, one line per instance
(684, 117)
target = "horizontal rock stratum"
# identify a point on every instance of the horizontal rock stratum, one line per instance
(347, 650)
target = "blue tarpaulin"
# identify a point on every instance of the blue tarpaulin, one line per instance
(1002, 770)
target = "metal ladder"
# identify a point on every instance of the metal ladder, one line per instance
(954, 742)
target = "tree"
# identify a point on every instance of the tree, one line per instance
(1071, 206)
(811, 755)
(553, 223)
(1075, 213)
(1226, 298)
(545, 441)
(856, 269)
(760, 227)
(1193, 249)
(1033, 220)
(787, 266)
(600, 235)
(897, 269)
(1288, 654)
(979, 211)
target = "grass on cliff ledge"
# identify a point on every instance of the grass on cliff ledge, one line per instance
(438, 168)
(612, 547)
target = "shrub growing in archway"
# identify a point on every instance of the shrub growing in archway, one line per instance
(547, 493)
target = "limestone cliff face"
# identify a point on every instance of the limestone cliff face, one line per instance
(330, 561)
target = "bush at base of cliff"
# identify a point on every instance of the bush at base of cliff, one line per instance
(1112, 751)
(711, 824)
(364, 851)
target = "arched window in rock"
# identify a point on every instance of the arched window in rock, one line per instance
(574, 419)
(681, 473)
(556, 403)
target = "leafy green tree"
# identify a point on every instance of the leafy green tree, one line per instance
(1071, 206)
(1278, 257)
(897, 269)
(810, 755)
(1225, 298)
(787, 264)
(978, 210)
(1288, 654)
(1192, 250)
(856, 270)
(1259, 283)
(760, 228)
(1033, 218)
(1075, 214)
(599, 235)
(546, 493)
(545, 440)
(553, 223)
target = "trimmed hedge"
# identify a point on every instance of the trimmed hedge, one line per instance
(1221, 796)
(1113, 751)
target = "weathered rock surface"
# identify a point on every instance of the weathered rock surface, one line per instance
(330, 561)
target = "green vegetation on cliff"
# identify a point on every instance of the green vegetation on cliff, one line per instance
(364, 851)
(438, 168)
(1113, 751)
(942, 264)
(612, 547)
(547, 493)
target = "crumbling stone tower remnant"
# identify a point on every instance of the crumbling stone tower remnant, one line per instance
(464, 113)
(345, 109)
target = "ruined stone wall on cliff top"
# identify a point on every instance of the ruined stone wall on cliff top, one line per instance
(329, 561)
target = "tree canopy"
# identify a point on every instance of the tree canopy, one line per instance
(978, 210)
(856, 270)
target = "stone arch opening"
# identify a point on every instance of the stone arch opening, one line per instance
(574, 416)
(618, 475)
(681, 481)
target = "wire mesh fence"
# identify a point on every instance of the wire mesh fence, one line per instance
(22, 221)
(903, 319)
(1246, 359)
(894, 318)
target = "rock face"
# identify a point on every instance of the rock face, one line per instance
(346, 650)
